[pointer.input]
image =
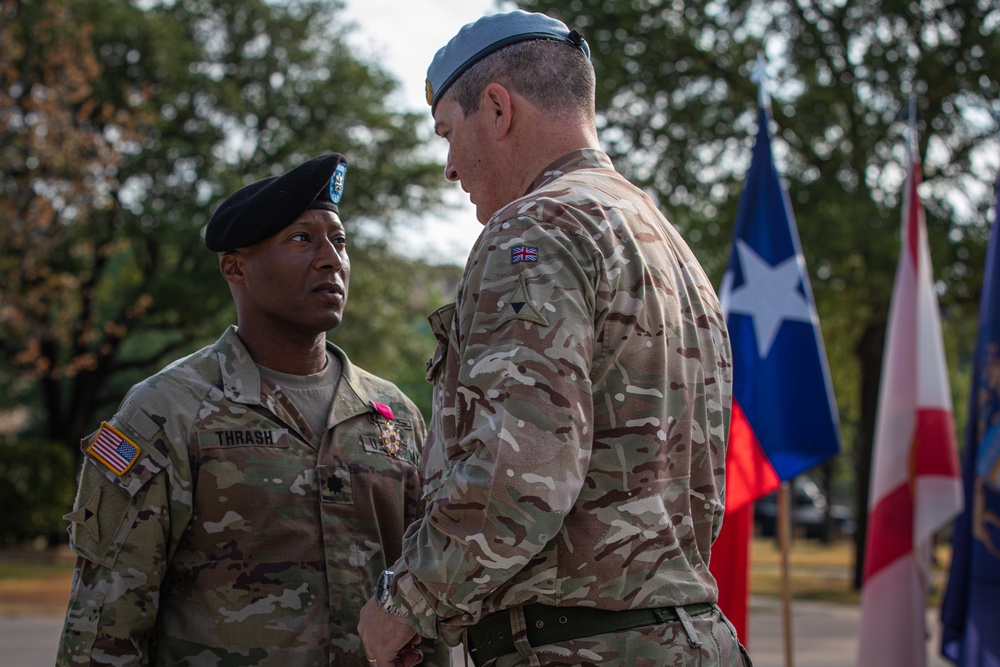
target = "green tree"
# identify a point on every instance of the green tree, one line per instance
(677, 108)
(122, 125)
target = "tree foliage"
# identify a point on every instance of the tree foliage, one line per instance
(677, 106)
(122, 126)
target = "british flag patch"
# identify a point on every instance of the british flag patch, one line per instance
(523, 253)
(113, 449)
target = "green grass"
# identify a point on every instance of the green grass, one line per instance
(17, 570)
(822, 572)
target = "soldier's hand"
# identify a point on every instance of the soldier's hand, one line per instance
(388, 639)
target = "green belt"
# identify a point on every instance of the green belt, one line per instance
(492, 636)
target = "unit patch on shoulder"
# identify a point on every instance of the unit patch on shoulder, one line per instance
(86, 515)
(113, 449)
(519, 307)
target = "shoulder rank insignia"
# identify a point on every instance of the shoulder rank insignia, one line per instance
(113, 449)
(392, 441)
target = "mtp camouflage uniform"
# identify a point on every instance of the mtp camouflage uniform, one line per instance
(581, 412)
(230, 538)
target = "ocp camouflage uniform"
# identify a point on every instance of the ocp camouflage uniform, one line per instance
(231, 540)
(581, 413)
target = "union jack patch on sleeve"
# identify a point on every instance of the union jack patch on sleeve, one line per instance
(113, 449)
(523, 253)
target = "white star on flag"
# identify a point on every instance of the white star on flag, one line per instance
(770, 295)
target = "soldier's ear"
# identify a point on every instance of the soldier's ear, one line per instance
(496, 100)
(231, 265)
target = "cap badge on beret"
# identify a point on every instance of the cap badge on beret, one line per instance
(491, 33)
(337, 183)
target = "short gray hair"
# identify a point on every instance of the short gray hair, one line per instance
(555, 77)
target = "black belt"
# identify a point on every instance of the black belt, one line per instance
(492, 636)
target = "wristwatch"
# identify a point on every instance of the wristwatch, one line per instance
(384, 590)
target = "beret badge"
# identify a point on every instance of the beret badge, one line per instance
(337, 183)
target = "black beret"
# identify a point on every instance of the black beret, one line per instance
(261, 209)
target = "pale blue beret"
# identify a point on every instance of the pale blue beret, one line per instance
(477, 40)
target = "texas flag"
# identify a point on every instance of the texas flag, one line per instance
(784, 418)
(916, 488)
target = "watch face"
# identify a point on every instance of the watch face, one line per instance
(382, 587)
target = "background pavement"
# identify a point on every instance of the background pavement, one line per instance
(825, 636)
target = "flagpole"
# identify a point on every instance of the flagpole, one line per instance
(784, 535)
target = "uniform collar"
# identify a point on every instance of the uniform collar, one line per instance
(241, 380)
(584, 158)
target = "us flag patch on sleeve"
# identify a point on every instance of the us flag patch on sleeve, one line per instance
(113, 449)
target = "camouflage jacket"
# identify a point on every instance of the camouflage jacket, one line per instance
(230, 539)
(582, 388)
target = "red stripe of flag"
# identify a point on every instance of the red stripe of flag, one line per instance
(892, 520)
(749, 473)
(936, 426)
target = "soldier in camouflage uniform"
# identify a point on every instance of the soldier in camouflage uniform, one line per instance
(239, 506)
(574, 465)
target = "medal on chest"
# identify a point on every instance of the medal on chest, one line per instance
(391, 440)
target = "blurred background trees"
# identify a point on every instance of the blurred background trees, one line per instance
(122, 125)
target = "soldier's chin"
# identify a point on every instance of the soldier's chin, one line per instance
(483, 215)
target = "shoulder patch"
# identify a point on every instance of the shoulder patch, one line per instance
(86, 515)
(523, 253)
(519, 307)
(113, 449)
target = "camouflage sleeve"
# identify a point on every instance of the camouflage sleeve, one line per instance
(121, 532)
(435, 652)
(524, 403)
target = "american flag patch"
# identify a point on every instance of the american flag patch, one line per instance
(113, 449)
(523, 253)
